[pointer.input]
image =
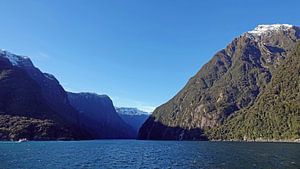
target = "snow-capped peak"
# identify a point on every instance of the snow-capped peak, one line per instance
(15, 60)
(265, 29)
(130, 111)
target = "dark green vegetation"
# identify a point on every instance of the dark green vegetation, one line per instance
(275, 114)
(33, 105)
(248, 91)
(24, 111)
(17, 127)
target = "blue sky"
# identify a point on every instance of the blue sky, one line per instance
(140, 53)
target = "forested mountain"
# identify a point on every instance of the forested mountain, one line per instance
(249, 90)
(33, 105)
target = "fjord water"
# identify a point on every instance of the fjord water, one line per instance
(148, 154)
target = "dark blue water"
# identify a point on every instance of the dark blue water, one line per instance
(148, 154)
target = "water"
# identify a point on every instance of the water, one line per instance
(148, 154)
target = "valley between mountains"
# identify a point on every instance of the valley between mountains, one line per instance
(250, 91)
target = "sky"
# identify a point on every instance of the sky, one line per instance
(139, 52)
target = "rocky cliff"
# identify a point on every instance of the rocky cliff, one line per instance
(97, 113)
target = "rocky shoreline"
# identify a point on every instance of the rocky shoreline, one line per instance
(260, 141)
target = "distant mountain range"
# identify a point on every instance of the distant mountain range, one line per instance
(35, 106)
(133, 116)
(248, 91)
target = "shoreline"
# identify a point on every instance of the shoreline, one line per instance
(260, 141)
(240, 141)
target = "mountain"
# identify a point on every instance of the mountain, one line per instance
(97, 113)
(276, 113)
(35, 106)
(247, 91)
(27, 106)
(133, 116)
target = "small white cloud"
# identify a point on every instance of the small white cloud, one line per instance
(43, 55)
(40, 56)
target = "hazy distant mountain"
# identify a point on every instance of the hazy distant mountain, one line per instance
(33, 104)
(249, 90)
(133, 116)
(98, 114)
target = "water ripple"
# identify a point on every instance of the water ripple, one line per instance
(148, 154)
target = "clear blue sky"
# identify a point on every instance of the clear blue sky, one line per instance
(140, 53)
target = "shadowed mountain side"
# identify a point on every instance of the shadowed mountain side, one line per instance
(25, 113)
(135, 121)
(154, 130)
(133, 117)
(97, 113)
(14, 127)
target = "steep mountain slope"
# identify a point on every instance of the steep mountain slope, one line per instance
(98, 114)
(229, 83)
(24, 110)
(133, 117)
(52, 91)
(276, 113)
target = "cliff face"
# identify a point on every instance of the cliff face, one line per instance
(98, 115)
(24, 111)
(230, 83)
(35, 106)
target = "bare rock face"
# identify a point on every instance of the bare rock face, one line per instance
(230, 82)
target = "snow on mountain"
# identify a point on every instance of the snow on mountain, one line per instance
(15, 60)
(267, 29)
(133, 116)
(130, 111)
